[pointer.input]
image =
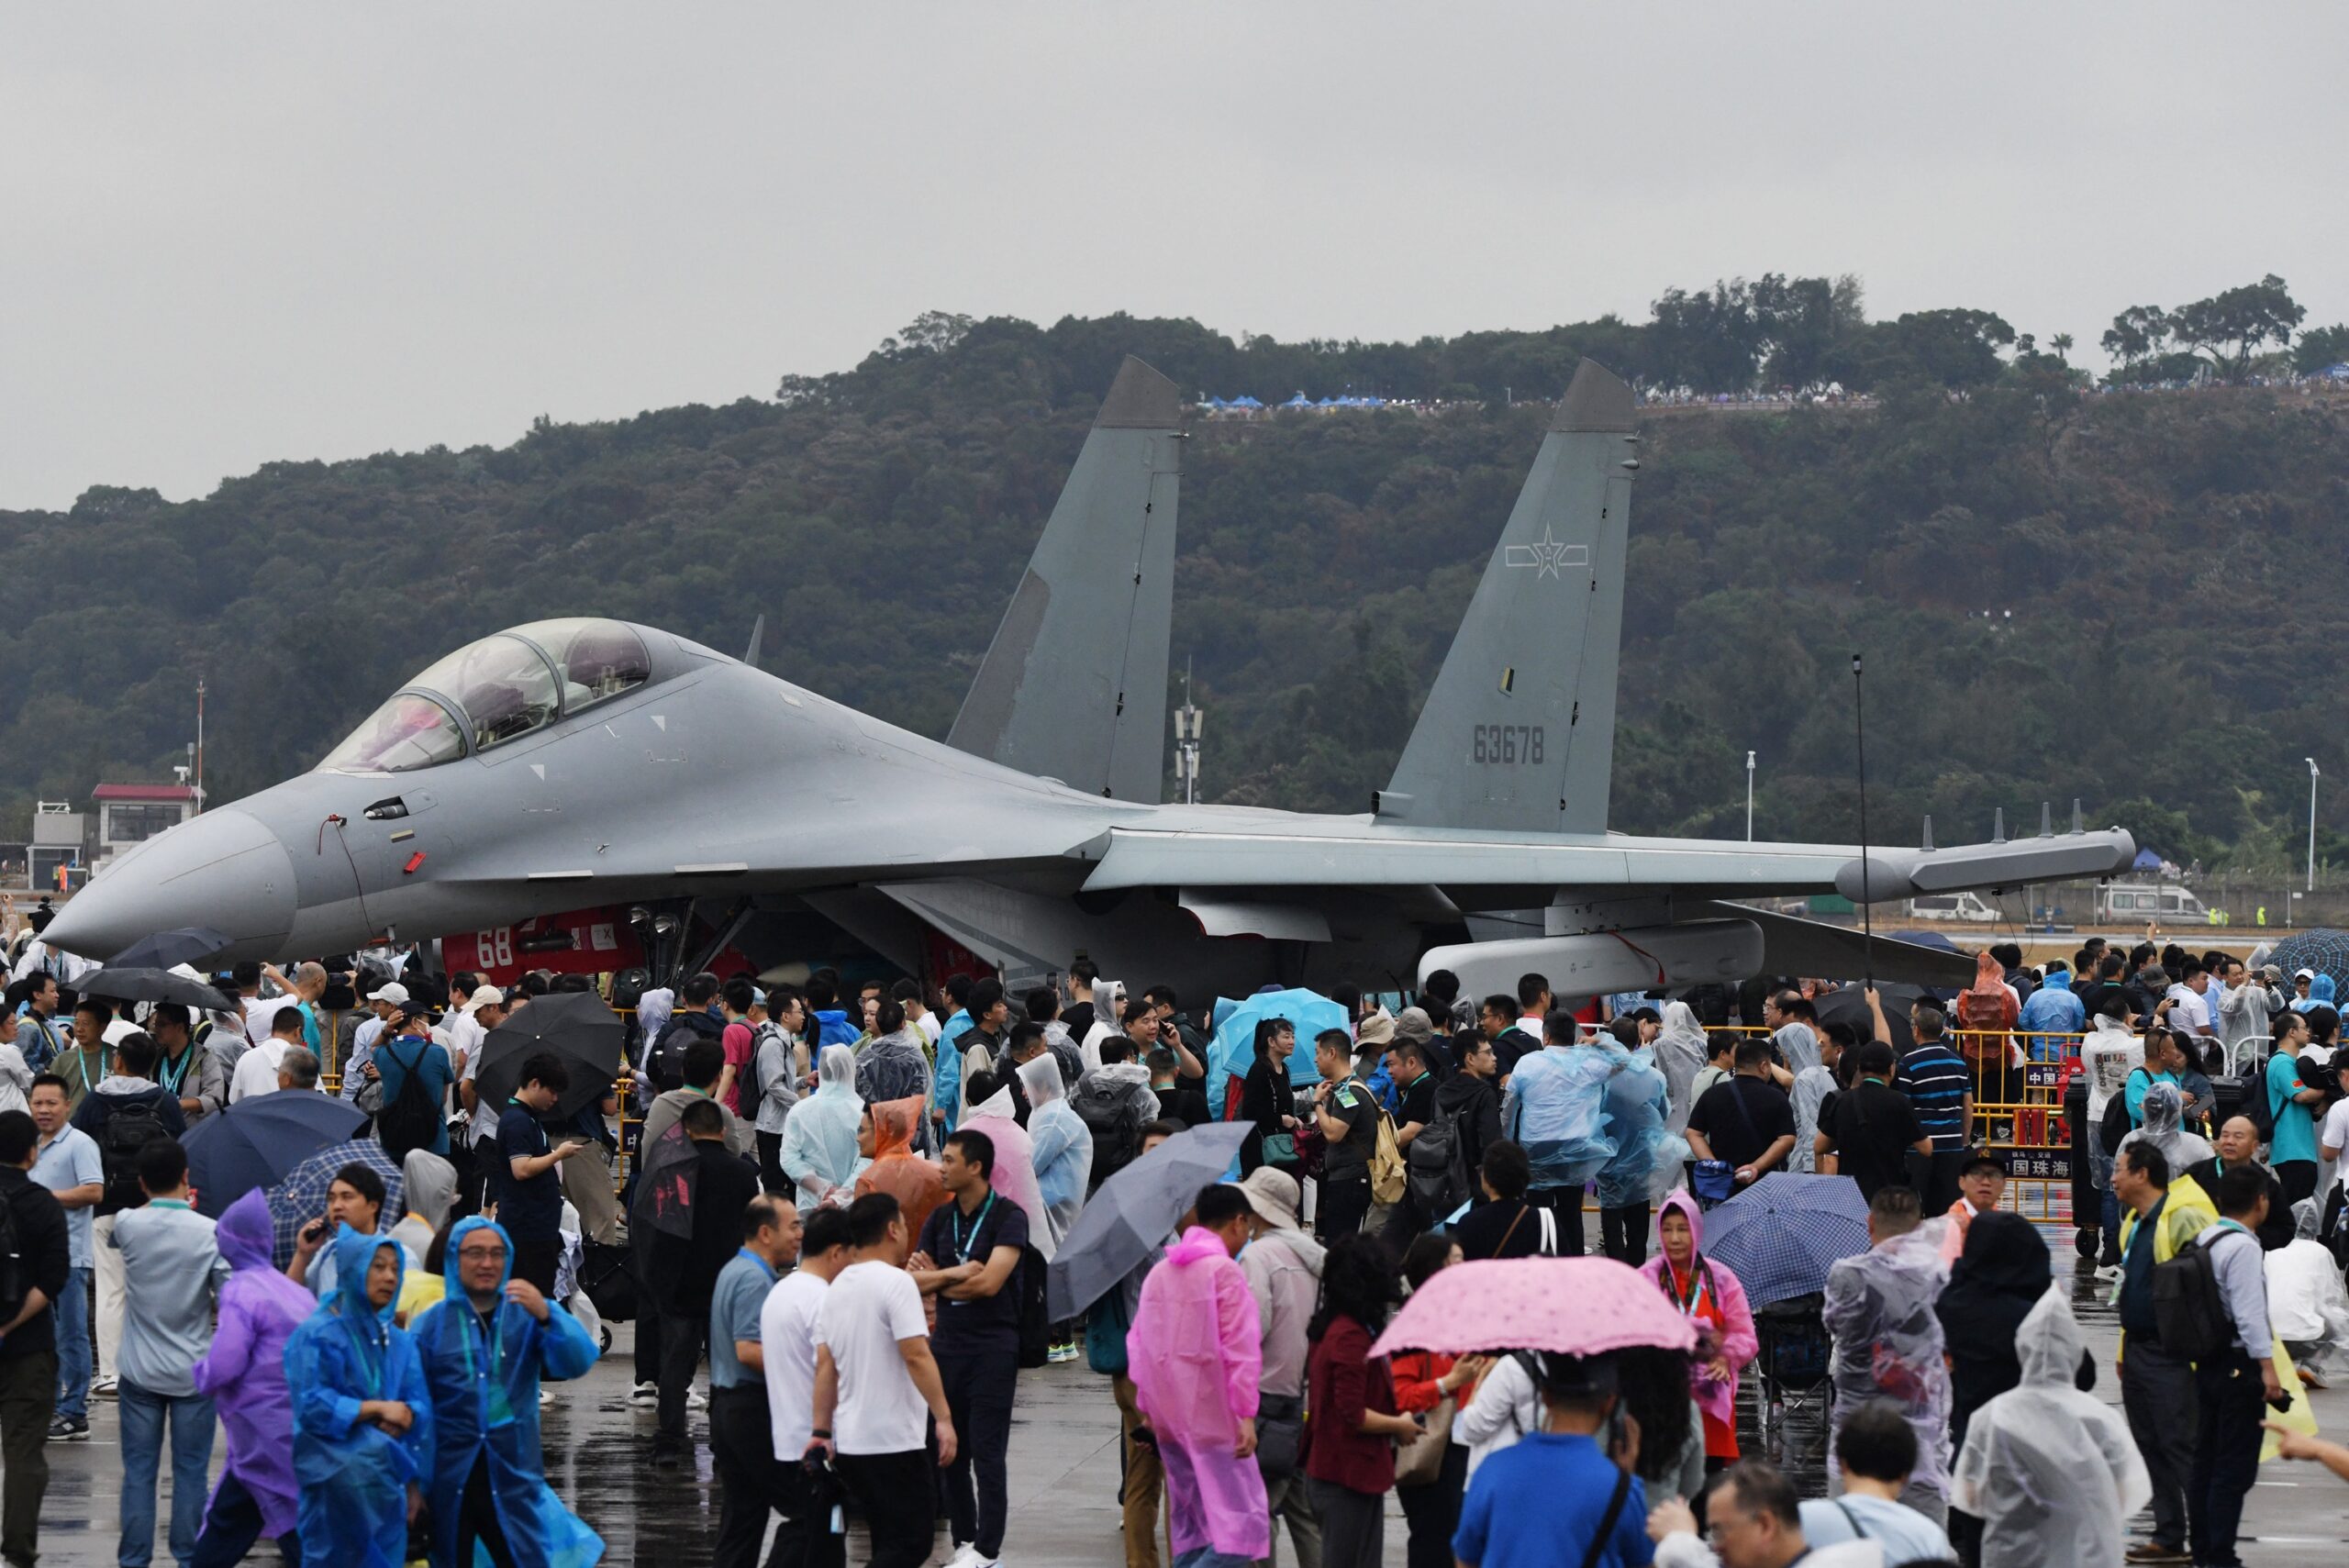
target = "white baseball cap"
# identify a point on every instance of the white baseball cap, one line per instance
(2304, 974)
(485, 997)
(391, 991)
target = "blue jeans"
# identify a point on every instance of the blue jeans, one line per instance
(142, 1413)
(73, 1344)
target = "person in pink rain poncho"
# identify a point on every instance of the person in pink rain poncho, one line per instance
(1713, 1299)
(1195, 1355)
(244, 1374)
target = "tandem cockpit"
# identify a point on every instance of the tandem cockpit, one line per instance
(506, 686)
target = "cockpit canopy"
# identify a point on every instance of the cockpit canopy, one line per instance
(493, 691)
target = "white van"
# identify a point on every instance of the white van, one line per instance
(2132, 903)
(1952, 907)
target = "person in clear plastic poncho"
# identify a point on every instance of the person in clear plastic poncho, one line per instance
(1879, 1310)
(2164, 1128)
(362, 1415)
(1556, 1111)
(818, 1154)
(1680, 1055)
(1064, 1149)
(2306, 1304)
(1646, 1163)
(485, 1347)
(2049, 1469)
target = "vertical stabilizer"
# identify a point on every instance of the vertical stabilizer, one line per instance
(1074, 683)
(1518, 729)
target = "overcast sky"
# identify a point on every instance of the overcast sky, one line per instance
(236, 234)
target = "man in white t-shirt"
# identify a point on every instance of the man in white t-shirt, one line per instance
(257, 1069)
(873, 1378)
(787, 1336)
(483, 1010)
(2190, 1008)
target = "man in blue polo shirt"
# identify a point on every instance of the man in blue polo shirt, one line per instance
(742, 1434)
(1939, 1086)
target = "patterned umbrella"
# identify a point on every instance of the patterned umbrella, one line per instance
(1781, 1235)
(2325, 950)
(302, 1195)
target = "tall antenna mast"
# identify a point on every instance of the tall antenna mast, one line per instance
(1867, 923)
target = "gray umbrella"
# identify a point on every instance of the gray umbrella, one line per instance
(187, 944)
(1133, 1211)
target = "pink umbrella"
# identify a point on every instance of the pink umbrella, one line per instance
(1574, 1305)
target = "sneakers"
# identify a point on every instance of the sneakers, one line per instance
(966, 1555)
(2153, 1552)
(546, 1397)
(102, 1387)
(69, 1429)
(645, 1394)
(696, 1400)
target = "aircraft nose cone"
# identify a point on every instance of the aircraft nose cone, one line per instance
(223, 869)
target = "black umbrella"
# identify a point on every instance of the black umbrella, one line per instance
(258, 1141)
(188, 944)
(1850, 1005)
(575, 1027)
(118, 984)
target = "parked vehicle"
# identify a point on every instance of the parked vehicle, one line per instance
(1952, 907)
(2134, 903)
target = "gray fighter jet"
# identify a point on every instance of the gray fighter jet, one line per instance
(587, 762)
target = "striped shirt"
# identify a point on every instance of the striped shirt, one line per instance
(1937, 1083)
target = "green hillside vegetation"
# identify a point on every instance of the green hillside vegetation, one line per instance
(2162, 571)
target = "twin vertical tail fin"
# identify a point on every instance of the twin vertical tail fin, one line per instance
(1518, 729)
(1073, 686)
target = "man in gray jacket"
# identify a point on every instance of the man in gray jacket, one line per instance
(1283, 1265)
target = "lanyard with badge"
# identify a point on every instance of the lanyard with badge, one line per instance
(964, 1243)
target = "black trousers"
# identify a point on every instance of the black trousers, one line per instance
(27, 1399)
(1566, 1204)
(1342, 1208)
(2157, 1395)
(682, 1334)
(2228, 1399)
(771, 1175)
(804, 1538)
(648, 1327)
(1432, 1511)
(741, 1451)
(535, 1260)
(232, 1524)
(1934, 1176)
(978, 1395)
(1623, 1232)
(889, 1488)
(477, 1517)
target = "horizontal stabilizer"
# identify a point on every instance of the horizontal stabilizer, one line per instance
(1073, 686)
(1518, 729)
(1888, 873)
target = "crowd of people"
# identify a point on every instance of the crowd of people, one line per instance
(843, 1201)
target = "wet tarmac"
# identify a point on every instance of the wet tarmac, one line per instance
(1063, 1474)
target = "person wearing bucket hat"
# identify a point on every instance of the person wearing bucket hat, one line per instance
(1282, 1264)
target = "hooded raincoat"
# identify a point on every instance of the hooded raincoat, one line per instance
(895, 1169)
(1063, 1152)
(893, 1067)
(1680, 1055)
(819, 1151)
(485, 1381)
(243, 1373)
(1556, 1110)
(1880, 1311)
(1195, 1355)
(1015, 1157)
(1715, 1299)
(2164, 1128)
(975, 1059)
(351, 1474)
(2321, 995)
(1647, 1153)
(2050, 1471)
(1995, 1283)
(429, 1185)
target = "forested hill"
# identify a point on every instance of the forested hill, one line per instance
(2165, 574)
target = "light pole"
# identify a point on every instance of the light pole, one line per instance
(2311, 762)
(1749, 797)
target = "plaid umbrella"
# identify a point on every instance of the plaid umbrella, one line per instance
(2325, 951)
(1781, 1235)
(302, 1195)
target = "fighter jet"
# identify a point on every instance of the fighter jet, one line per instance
(591, 761)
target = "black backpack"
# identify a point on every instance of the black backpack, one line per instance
(1437, 1163)
(2114, 1127)
(666, 1060)
(2189, 1311)
(131, 1126)
(1108, 1113)
(413, 1116)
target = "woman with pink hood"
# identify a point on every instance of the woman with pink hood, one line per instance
(1195, 1355)
(1712, 1297)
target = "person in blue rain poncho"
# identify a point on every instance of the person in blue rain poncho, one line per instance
(1647, 1152)
(485, 1347)
(1555, 1110)
(362, 1417)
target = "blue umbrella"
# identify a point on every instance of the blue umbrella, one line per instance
(1781, 1235)
(302, 1195)
(258, 1141)
(1233, 1050)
